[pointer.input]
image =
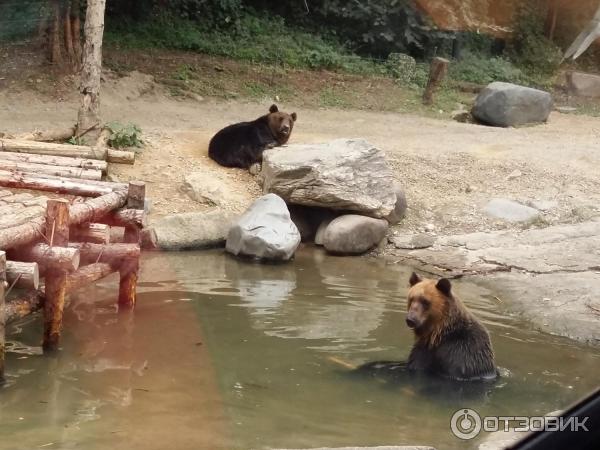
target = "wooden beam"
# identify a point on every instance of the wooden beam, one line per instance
(57, 171)
(24, 275)
(437, 73)
(46, 148)
(87, 275)
(98, 233)
(114, 254)
(120, 157)
(2, 314)
(58, 185)
(57, 231)
(47, 257)
(92, 164)
(133, 218)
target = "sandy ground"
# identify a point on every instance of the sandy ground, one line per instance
(449, 170)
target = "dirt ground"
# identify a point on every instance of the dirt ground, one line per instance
(449, 170)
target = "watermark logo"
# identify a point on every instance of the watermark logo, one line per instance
(467, 423)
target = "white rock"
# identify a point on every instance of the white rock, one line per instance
(345, 174)
(354, 234)
(510, 210)
(265, 231)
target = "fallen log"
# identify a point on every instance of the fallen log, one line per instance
(55, 258)
(58, 171)
(120, 157)
(90, 211)
(48, 135)
(45, 148)
(87, 275)
(437, 73)
(92, 164)
(23, 274)
(23, 305)
(97, 233)
(114, 254)
(88, 188)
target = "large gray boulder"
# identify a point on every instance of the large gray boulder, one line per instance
(265, 231)
(345, 174)
(353, 234)
(509, 210)
(194, 230)
(508, 105)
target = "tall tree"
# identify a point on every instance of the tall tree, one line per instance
(88, 119)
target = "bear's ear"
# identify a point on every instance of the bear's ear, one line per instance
(444, 287)
(273, 109)
(414, 279)
(294, 116)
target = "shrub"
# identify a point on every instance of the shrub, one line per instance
(483, 70)
(128, 135)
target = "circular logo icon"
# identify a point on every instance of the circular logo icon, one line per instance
(465, 424)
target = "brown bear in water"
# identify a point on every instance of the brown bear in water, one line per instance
(450, 341)
(242, 144)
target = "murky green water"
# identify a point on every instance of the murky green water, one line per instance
(222, 354)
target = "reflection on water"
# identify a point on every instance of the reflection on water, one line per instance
(227, 354)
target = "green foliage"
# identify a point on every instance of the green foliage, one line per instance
(483, 70)
(530, 49)
(18, 21)
(74, 140)
(121, 136)
(255, 39)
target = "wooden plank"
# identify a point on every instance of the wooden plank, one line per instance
(54, 184)
(45, 148)
(50, 160)
(87, 275)
(59, 171)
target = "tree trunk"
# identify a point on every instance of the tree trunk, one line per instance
(89, 111)
(76, 31)
(55, 48)
(437, 73)
(68, 35)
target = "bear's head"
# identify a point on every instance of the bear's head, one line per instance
(281, 124)
(430, 305)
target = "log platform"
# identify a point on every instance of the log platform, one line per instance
(56, 223)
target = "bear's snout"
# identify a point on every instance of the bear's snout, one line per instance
(412, 321)
(285, 129)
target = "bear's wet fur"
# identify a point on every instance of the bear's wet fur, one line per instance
(242, 144)
(449, 340)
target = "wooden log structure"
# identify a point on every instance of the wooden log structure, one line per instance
(48, 257)
(114, 254)
(27, 303)
(73, 151)
(148, 239)
(92, 210)
(88, 274)
(98, 233)
(131, 218)
(2, 314)
(128, 274)
(49, 160)
(60, 185)
(136, 196)
(58, 171)
(437, 73)
(45, 148)
(57, 228)
(24, 275)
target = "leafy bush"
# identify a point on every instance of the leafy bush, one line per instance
(128, 135)
(530, 49)
(483, 70)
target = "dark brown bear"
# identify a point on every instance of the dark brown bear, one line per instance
(450, 341)
(242, 144)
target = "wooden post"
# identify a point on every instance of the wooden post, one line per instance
(2, 314)
(127, 284)
(57, 233)
(136, 195)
(437, 73)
